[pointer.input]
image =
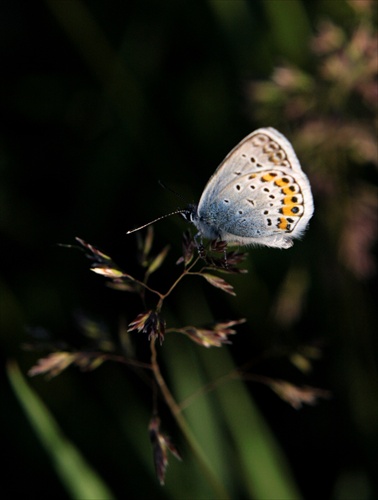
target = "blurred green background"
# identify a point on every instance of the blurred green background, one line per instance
(100, 101)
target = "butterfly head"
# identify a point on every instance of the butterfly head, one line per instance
(190, 213)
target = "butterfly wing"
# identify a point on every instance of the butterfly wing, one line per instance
(259, 193)
(263, 148)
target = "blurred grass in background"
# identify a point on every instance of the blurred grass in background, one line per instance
(100, 100)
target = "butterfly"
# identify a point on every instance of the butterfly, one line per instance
(259, 195)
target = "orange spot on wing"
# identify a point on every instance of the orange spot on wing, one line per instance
(282, 223)
(287, 201)
(288, 190)
(267, 178)
(288, 209)
(283, 181)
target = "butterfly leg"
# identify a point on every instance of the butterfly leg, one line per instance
(200, 246)
(225, 257)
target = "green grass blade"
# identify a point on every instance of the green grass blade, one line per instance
(265, 469)
(80, 480)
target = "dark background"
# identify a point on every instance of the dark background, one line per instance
(100, 101)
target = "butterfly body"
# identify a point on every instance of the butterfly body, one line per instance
(258, 195)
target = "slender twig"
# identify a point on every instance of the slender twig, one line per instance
(142, 284)
(116, 358)
(211, 386)
(186, 272)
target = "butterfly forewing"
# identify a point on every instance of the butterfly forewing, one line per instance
(262, 149)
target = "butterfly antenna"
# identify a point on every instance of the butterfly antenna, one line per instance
(164, 186)
(183, 211)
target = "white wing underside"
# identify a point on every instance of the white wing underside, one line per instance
(244, 203)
